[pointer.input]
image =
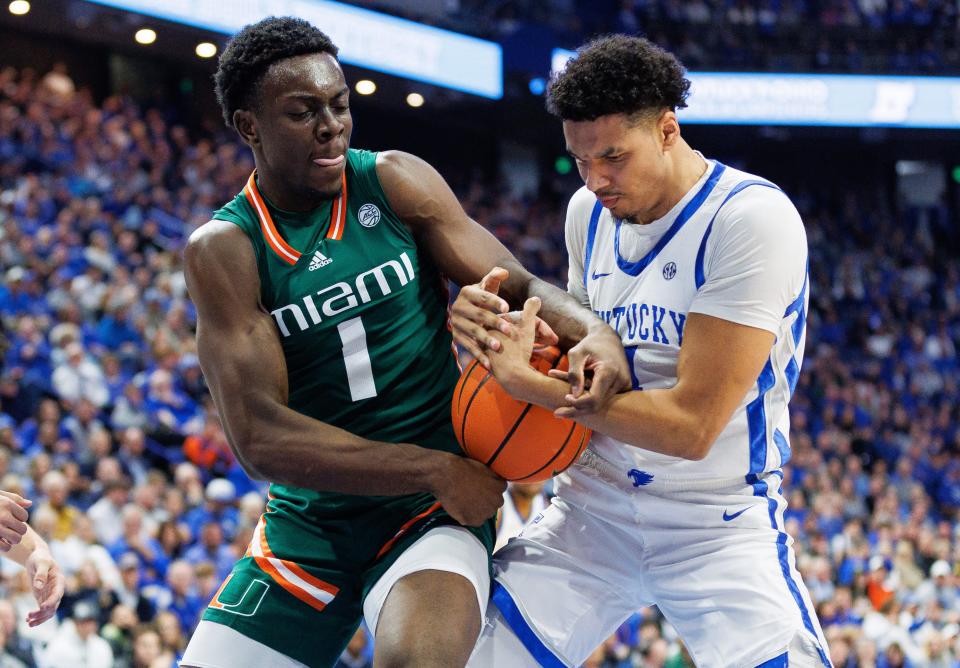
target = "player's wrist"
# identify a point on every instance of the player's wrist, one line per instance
(433, 470)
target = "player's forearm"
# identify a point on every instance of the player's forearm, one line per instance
(21, 551)
(286, 447)
(653, 420)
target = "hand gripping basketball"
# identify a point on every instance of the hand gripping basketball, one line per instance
(518, 440)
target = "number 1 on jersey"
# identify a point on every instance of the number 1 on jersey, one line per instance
(356, 358)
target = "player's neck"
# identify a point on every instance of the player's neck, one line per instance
(283, 197)
(688, 168)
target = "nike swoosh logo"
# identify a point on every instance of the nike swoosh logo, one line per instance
(596, 275)
(727, 517)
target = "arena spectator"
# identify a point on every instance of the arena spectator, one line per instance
(77, 642)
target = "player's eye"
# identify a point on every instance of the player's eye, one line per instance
(299, 115)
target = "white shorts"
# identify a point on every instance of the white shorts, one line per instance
(447, 548)
(717, 564)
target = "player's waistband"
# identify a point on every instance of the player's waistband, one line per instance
(634, 479)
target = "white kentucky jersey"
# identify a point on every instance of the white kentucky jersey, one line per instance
(733, 247)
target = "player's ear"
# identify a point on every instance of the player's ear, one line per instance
(669, 129)
(246, 125)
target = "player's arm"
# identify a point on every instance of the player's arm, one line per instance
(719, 362)
(46, 580)
(466, 252)
(243, 362)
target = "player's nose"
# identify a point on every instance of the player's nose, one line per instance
(595, 180)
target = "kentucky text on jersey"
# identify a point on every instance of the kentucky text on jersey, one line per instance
(341, 297)
(645, 322)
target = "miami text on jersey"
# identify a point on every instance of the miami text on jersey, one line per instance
(341, 297)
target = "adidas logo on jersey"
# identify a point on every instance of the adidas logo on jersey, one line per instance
(319, 260)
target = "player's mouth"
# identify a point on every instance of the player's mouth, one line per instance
(330, 163)
(610, 201)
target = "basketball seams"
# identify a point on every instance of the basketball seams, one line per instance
(529, 443)
(463, 386)
(506, 439)
(466, 411)
(559, 452)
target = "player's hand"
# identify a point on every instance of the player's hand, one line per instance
(510, 363)
(478, 311)
(468, 490)
(46, 583)
(475, 311)
(597, 371)
(13, 519)
(544, 338)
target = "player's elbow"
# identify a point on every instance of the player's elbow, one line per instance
(254, 456)
(248, 442)
(700, 442)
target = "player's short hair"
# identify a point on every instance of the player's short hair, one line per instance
(618, 74)
(254, 49)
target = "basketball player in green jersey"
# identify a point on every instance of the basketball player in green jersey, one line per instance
(322, 332)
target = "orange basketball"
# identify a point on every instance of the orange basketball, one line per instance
(518, 440)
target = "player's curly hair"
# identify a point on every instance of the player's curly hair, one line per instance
(618, 74)
(252, 50)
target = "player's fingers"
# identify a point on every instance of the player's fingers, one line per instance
(484, 315)
(52, 598)
(491, 282)
(19, 500)
(531, 307)
(545, 334)
(10, 537)
(40, 615)
(559, 375)
(16, 526)
(577, 361)
(16, 510)
(40, 577)
(603, 385)
(584, 404)
(475, 296)
(470, 335)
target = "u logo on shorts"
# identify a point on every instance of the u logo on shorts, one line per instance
(247, 603)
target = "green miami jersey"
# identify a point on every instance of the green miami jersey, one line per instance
(361, 315)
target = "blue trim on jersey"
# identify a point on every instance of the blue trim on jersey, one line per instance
(799, 307)
(634, 268)
(514, 618)
(792, 372)
(783, 447)
(757, 420)
(591, 237)
(631, 352)
(698, 273)
(761, 490)
(776, 662)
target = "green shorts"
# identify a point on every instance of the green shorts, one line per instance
(299, 589)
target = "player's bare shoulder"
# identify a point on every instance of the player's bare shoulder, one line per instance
(219, 261)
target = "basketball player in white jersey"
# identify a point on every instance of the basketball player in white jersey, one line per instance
(702, 270)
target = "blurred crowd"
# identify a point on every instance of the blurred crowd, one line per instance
(892, 36)
(106, 424)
